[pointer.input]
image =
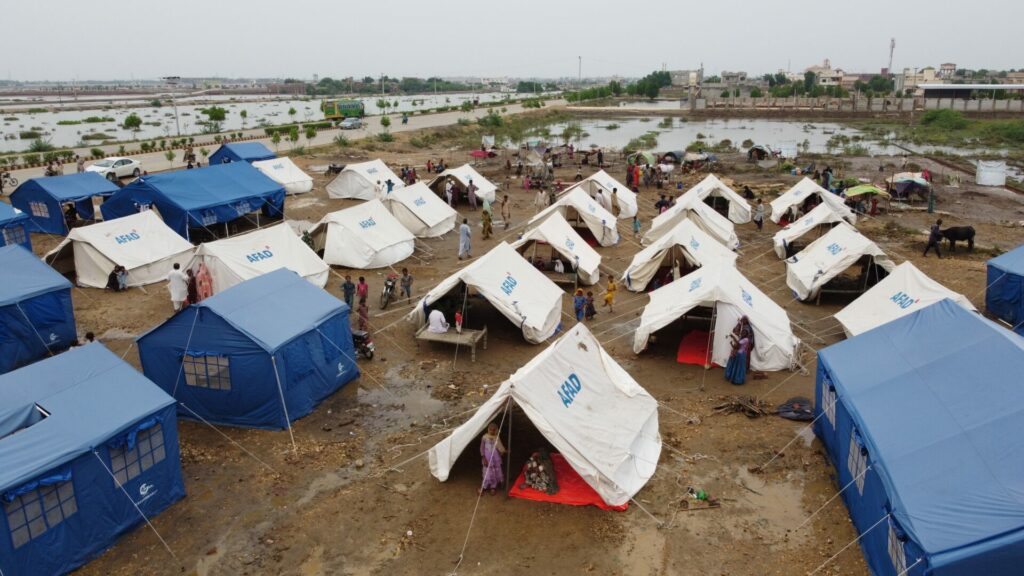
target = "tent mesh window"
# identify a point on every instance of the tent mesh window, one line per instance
(15, 235)
(896, 553)
(212, 372)
(127, 463)
(828, 400)
(33, 513)
(39, 209)
(857, 462)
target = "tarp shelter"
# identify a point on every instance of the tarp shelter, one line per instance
(830, 255)
(88, 447)
(364, 236)
(601, 183)
(586, 405)
(710, 189)
(36, 316)
(241, 152)
(642, 157)
(759, 152)
(685, 246)
(865, 189)
(461, 177)
(359, 181)
(732, 296)
(260, 354)
(1004, 295)
(990, 173)
(555, 232)
(821, 215)
(14, 227)
(717, 226)
(141, 242)
(43, 199)
(923, 419)
(203, 197)
(421, 211)
(234, 260)
(515, 288)
(799, 194)
(286, 173)
(904, 291)
(583, 212)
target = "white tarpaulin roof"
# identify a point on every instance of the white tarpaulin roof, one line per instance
(421, 211)
(602, 183)
(739, 209)
(821, 215)
(717, 226)
(359, 181)
(828, 256)
(364, 236)
(514, 287)
(463, 174)
(590, 409)
(286, 173)
(554, 230)
(991, 173)
(599, 221)
(695, 245)
(775, 345)
(804, 189)
(238, 258)
(903, 291)
(140, 242)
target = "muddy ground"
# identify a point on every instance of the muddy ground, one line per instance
(355, 498)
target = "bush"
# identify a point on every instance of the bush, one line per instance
(341, 141)
(491, 120)
(68, 122)
(386, 137)
(756, 93)
(612, 126)
(67, 155)
(96, 152)
(944, 119)
(30, 159)
(748, 143)
(40, 145)
(132, 122)
(96, 136)
(37, 110)
(463, 122)
(467, 106)
(29, 135)
(97, 119)
(666, 122)
(50, 157)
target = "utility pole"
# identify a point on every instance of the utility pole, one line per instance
(173, 82)
(892, 48)
(579, 74)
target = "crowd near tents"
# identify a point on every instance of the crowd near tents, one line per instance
(363, 181)
(241, 152)
(421, 211)
(585, 214)
(44, 199)
(14, 227)
(681, 250)
(575, 253)
(286, 173)
(363, 236)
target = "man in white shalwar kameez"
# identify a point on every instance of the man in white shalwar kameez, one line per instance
(177, 284)
(436, 322)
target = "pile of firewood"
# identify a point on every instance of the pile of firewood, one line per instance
(748, 405)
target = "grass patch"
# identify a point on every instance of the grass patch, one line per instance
(97, 119)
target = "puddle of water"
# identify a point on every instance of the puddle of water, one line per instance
(777, 503)
(329, 481)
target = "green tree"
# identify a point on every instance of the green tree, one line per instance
(291, 114)
(204, 153)
(756, 92)
(132, 122)
(244, 114)
(310, 134)
(809, 79)
(293, 135)
(215, 113)
(276, 140)
(170, 157)
(385, 122)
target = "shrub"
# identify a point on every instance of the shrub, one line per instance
(50, 157)
(491, 120)
(37, 110)
(121, 150)
(68, 122)
(666, 122)
(96, 152)
(467, 106)
(756, 93)
(30, 159)
(67, 155)
(39, 145)
(748, 143)
(29, 135)
(944, 119)
(97, 119)
(386, 137)
(132, 122)
(96, 136)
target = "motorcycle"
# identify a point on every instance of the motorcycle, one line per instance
(7, 180)
(362, 343)
(389, 290)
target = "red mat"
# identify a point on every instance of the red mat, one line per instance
(572, 490)
(693, 348)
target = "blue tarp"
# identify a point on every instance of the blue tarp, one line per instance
(241, 152)
(235, 339)
(14, 227)
(36, 316)
(932, 406)
(200, 197)
(43, 199)
(1004, 296)
(64, 422)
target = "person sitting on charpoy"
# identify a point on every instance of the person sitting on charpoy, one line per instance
(436, 322)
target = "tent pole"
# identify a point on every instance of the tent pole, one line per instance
(508, 450)
(273, 360)
(227, 233)
(711, 340)
(257, 219)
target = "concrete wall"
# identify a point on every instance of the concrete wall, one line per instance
(861, 104)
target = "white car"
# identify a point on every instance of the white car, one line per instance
(116, 167)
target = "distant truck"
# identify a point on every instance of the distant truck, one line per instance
(339, 109)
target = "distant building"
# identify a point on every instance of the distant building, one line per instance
(687, 77)
(1015, 77)
(733, 78)
(947, 70)
(826, 75)
(287, 88)
(911, 79)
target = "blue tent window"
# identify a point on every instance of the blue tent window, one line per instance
(127, 463)
(31, 514)
(14, 235)
(204, 371)
(857, 462)
(896, 552)
(828, 400)
(39, 209)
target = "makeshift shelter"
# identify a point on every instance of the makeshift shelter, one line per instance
(421, 211)
(359, 181)
(241, 152)
(516, 289)
(234, 260)
(200, 198)
(723, 199)
(923, 418)
(685, 248)
(36, 316)
(990, 173)
(903, 184)
(814, 267)
(90, 450)
(717, 226)
(364, 236)
(759, 152)
(260, 354)
(904, 291)
(141, 242)
(600, 186)
(588, 407)
(731, 296)
(1004, 295)
(800, 194)
(14, 227)
(785, 240)
(642, 157)
(575, 253)
(865, 190)
(584, 214)
(461, 178)
(43, 199)
(286, 173)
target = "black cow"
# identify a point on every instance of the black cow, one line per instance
(956, 233)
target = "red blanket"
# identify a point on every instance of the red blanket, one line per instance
(572, 489)
(693, 348)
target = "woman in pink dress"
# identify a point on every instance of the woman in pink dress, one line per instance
(491, 451)
(204, 282)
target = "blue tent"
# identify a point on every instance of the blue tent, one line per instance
(201, 197)
(80, 434)
(43, 199)
(14, 227)
(241, 152)
(236, 356)
(924, 419)
(36, 317)
(1004, 296)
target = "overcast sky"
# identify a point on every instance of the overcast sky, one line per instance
(104, 39)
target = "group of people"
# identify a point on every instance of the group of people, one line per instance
(583, 304)
(186, 287)
(437, 168)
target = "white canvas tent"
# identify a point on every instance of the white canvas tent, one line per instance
(579, 209)
(364, 236)
(991, 173)
(514, 287)
(557, 233)
(141, 242)
(359, 181)
(590, 409)
(462, 176)
(732, 296)
(803, 190)
(902, 292)
(600, 185)
(684, 243)
(238, 258)
(711, 186)
(717, 226)
(421, 211)
(286, 173)
(821, 215)
(828, 256)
